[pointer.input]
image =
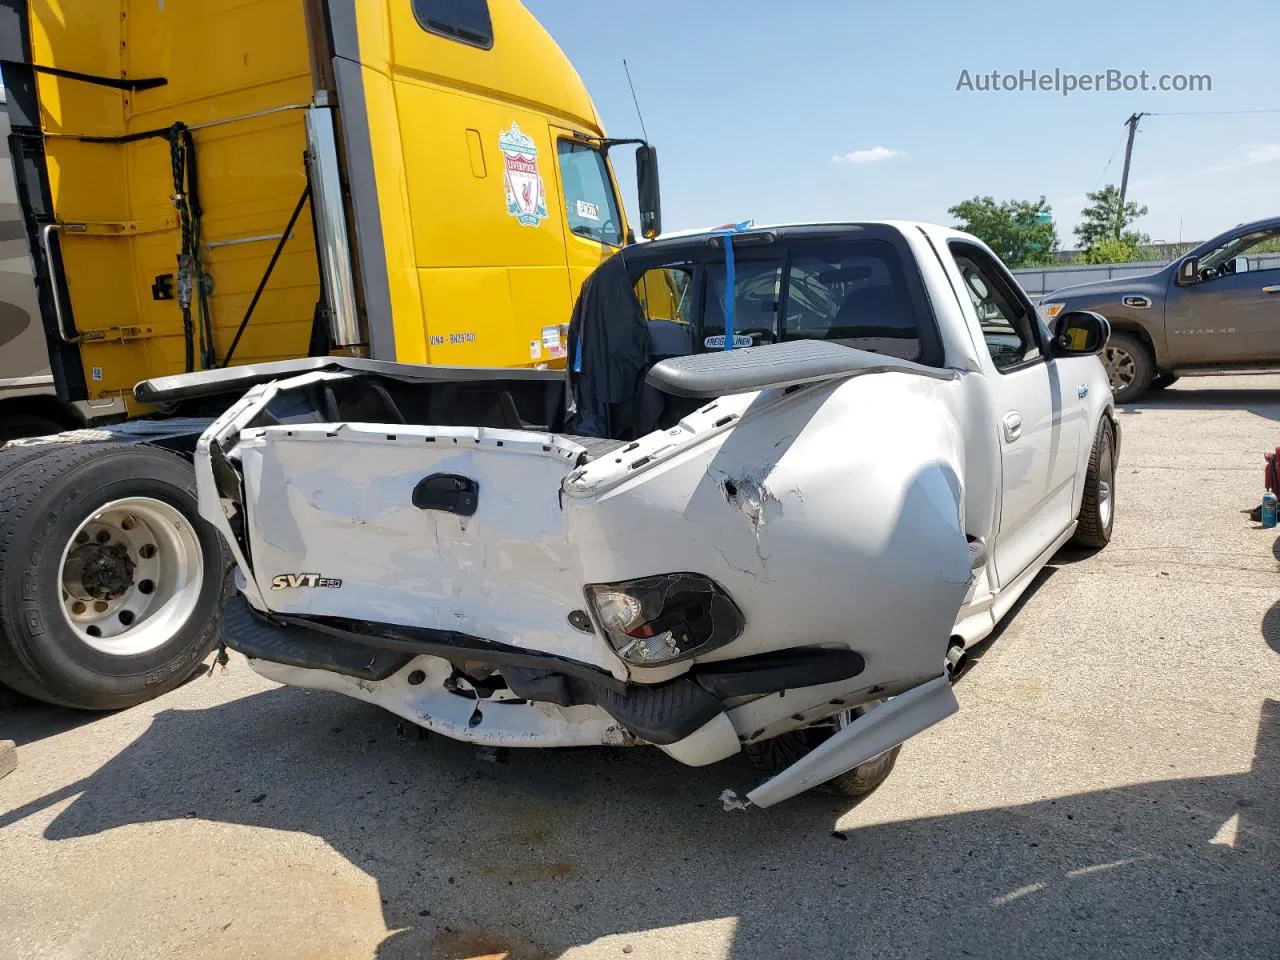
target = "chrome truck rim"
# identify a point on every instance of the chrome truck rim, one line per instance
(1121, 369)
(131, 576)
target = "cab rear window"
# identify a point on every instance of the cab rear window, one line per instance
(853, 292)
(464, 20)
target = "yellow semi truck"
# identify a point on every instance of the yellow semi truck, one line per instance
(215, 183)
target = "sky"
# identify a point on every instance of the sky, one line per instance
(829, 110)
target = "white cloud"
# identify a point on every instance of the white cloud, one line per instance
(873, 155)
(1264, 153)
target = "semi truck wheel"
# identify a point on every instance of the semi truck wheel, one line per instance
(110, 583)
(1130, 367)
(774, 756)
(18, 425)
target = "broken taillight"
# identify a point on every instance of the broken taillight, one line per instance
(655, 620)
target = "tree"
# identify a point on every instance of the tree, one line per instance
(1021, 232)
(1111, 250)
(1103, 219)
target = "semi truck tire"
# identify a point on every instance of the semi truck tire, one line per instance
(18, 425)
(110, 583)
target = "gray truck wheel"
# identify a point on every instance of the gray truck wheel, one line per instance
(1098, 507)
(1163, 380)
(774, 756)
(1130, 367)
(110, 583)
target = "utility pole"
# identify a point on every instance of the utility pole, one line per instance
(1132, 123)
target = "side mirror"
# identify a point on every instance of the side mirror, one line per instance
(1240, 265)
(1080, 333)
(650, 194)
(1188, 271)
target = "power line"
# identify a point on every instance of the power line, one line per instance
(1212, 113)
(1114, 150)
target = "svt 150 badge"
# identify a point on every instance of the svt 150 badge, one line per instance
(526, 194)
(288, 581)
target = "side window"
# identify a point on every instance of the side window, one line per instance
(1007, 327)
(665, 293)
(464, 20)
(1246, 253)
(854, 293)
(756, 289)
(589, 202)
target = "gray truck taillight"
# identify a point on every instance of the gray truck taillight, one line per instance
(655, 620)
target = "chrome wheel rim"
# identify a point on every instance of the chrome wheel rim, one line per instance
(130, 576)
(1122, 370)
(1106, 486)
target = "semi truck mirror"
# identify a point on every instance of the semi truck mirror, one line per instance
(647, 187)
(1080, 333)
(1188, 271)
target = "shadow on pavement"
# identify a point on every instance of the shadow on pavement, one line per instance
(556, 849)
(1261, 402)
(27, 721)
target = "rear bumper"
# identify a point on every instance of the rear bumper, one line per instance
(661, 714)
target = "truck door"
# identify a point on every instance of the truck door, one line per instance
(594, 225)
(1232, 315)
(481, 199)
(1038, 417)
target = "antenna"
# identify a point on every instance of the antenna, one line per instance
(634, 100)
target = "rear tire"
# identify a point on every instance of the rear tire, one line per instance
(104, 608)
(18, 425)
(1163, 380)
(1130, 366)
(774, 756)
(1097, 508)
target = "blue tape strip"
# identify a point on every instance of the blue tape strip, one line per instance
(730, 280)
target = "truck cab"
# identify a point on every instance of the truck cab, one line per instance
(207, 185)
(1216, 309)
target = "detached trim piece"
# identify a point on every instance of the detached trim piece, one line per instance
(879, 729)
(708, 375)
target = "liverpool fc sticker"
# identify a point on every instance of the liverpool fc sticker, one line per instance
(526, 196)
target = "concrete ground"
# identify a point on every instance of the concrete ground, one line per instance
(1110, 788)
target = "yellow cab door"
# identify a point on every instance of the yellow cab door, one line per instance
(595, 226)
(468, 112)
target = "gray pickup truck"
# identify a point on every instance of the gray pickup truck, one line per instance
(1215, 310)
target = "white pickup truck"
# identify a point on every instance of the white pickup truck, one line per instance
(782, 549)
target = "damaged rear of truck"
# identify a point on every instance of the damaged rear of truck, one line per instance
(775, 569)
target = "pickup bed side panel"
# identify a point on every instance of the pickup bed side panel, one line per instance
(832, 516)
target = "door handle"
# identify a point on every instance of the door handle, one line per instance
(1082, 391)
(449, 492)
(1012, 426)
(1274, 289)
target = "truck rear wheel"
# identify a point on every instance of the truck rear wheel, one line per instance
(110, 583)
(18, 425)
(774, 756)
